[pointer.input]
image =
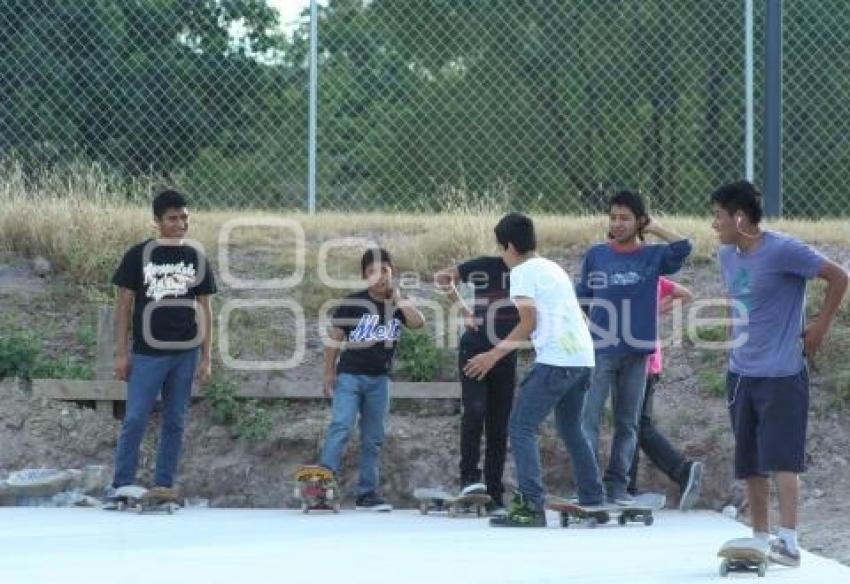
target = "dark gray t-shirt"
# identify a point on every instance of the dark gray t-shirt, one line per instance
(769, 285)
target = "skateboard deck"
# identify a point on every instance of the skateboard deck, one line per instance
(142, 500)
(572, 513)
(455, 505)
(743, 555)
(655, 501)
(316, 489)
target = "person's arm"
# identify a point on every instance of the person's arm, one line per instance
(332, 347)
(123, 310)
(678, 247)
(584, 292)
(413, 318)
(653, 227)
(836, 287)
(679, 293)
(478, 366)
(446, 280)
(205, 366)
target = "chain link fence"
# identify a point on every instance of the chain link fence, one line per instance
(540, 105)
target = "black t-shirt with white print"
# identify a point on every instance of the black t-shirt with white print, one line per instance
(163, 274)
(371, 334)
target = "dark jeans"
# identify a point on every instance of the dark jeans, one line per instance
(562, 389)
(655, 445)
(486, 409)
(150, 375)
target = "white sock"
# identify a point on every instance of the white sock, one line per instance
(789, 536)
(761, 536)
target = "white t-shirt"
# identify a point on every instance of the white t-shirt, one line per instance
(561, 337)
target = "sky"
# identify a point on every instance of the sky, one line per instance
(290, 10)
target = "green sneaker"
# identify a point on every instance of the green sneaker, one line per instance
(521, 513)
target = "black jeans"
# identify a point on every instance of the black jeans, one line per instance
(655, 445)
(486, 409)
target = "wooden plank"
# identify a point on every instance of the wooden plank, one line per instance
(109, 390)
(104, 363)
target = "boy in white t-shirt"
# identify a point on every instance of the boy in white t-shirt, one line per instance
(551, 316)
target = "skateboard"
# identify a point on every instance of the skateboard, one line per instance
(441, 500)
(655, 501)
(743, 555)
(316, 489)
(572, 513)
(142, 500)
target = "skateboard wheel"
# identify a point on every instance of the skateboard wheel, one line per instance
(762, 570)
(648, 520)
(724, 568)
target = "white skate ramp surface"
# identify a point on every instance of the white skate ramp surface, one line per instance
(90, 546)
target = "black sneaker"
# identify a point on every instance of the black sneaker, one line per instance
(691, 487)
(780, 554)
(521, 513)
(372, 502)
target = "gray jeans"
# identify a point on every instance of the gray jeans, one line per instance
(623, 375)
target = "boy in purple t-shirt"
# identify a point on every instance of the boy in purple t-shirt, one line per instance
(765, 274)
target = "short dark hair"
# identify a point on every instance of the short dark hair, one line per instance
(741, 196)
(375, 255)
(167, 199)
(635, 203)
(517, 229)
(629, 199)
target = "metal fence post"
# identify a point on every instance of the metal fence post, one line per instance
(773, 110)
(314, 92)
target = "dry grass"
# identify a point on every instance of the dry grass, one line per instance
(84, 222)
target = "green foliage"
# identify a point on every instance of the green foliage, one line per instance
(713, 333)
(22, 356)
(18, 355)
(246, 417)
(419, 358)
(253, 421)
(712, 381)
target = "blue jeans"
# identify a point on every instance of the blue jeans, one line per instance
(623, 375)
(562, 389)
(171, 374)
(367, 395)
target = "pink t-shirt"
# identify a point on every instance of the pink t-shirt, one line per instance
(665, 289)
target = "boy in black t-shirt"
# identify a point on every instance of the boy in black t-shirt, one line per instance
(364, 331)
(166, 283)
(487, 402)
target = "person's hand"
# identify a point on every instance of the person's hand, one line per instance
(812, 340)
(204, 371)
(479, 365)
(651, 227)
(328, 387)
(122, 367)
